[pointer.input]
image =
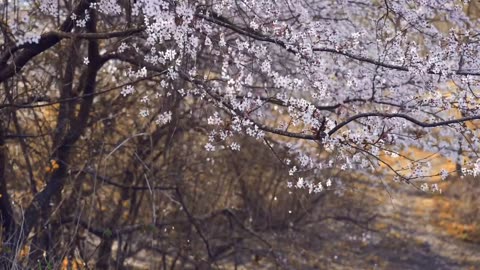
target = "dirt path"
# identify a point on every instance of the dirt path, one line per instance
(412, 236)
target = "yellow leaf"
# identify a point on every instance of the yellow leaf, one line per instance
(65, 264)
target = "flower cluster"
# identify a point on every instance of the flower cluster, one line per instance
(110, 7)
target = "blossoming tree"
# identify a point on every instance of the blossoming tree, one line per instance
(338, 84)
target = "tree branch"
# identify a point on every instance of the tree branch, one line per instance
(404, 116)
(105, 35)
(224, 22)
(31, 50)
